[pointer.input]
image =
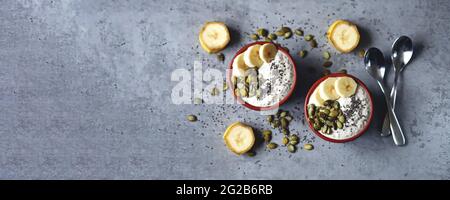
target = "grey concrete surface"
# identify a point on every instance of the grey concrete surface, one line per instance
(85, 90)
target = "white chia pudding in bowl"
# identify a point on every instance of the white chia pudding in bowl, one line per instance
(263, 76)
(339, 108)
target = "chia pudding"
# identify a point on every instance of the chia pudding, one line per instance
(273, 83)
(355, 109)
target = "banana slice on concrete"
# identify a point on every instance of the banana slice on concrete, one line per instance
(239, 138)
(345, 86)
(327, 90)
(251, 56)
(343, 35)
(214, 36)
(268, 52)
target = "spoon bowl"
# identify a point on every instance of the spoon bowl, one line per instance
(375, 64)
(402, 52)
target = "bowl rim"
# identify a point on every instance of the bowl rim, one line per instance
(311, 90)
(263, 108)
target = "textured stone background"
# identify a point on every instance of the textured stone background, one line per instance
(85, 90)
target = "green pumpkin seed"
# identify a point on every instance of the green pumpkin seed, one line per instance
(251, 154)
(289, 118)
(329, 130)
(336, 105)
(293, 142)
(313, 43)
(291, 148)
(325, 110)
(287, 35)
(284, 123)
(285, 29)
(326, 55)
(308, 147)
(327, 64)
(342, 71)
(341, 118)
(220, 57)
(302, 53)
(285, 140)
(333, 113)
(283, 114)
(309, 37)
(272, 145)
(262, 32)
(254, 37)
(275, 124)
(298, 32)
(270, 118)
(361, 53)
(272, 36)
(192, 118)
(285, 131)
(267, 39)
(293, 137)
(279, 33)
(316, 126)
(339, 125)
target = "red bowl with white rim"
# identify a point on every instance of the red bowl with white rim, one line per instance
(258, 108)
(356, 135)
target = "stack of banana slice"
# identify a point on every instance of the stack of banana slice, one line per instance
(254, 57)
(333, 88)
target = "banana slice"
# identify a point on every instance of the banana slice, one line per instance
(316, 99)
(268, 52)
(345, 86)
(251, 56)
(239, 138)
(327, 90)
(214, 36)
(343, 35)
(239, 66)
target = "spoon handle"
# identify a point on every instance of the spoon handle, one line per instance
(397, 132)
(385, 130)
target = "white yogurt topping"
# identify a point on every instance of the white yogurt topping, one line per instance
(356, 110)
(275, 81)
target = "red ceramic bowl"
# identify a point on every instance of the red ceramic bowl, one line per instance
(230, 73)
(311, 90)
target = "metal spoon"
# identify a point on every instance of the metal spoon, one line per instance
(402, 51)
(375, 66)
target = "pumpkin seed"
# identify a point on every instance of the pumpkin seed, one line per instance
(339, 125)
(309, 37)
(284, 123)
(285, 29)
(285, 131)
(361, 53)
(327, 64)
(192, 118)
(313, 43)
(285, 140)
(342, 71)
(276, 123)
(324, 110)
(326, 72)
(220, 57)
(298, 32)
(291, 148)
(293, 142)
(329, 130)
(251, 154)
(267, 132)
(326, 55)
(324, 129)
(254, 37)
(308, 147)
(341, 118)
(336, 105)
(267, 40)
(272, 36)
(262, 32)
(287, 35)
(283, 114)
(316, 126)
(279, 33)
(302, 53)
(289, 118)
(293, 138)
(333, 113)
(270, 118)
(272, 145)
(267, 135)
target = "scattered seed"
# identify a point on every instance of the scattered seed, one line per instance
(254, 37)
(220, 57)
(313, 43)
(293, 142)
(279, 33)
(298, 32)
(309, 37)
(284, 123)
(291, 148)
(302, 53)
(275, 124)
(272, 36)
(262, 32)
(327, 64)
(289, 118)
(326, 72)
(308, 147)
(272, 145)
(361, 53)
(283, 114)
(326, 55)
(342, 71)
(285, 140)
(192, 118)
(285, 131)
(287, 35)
